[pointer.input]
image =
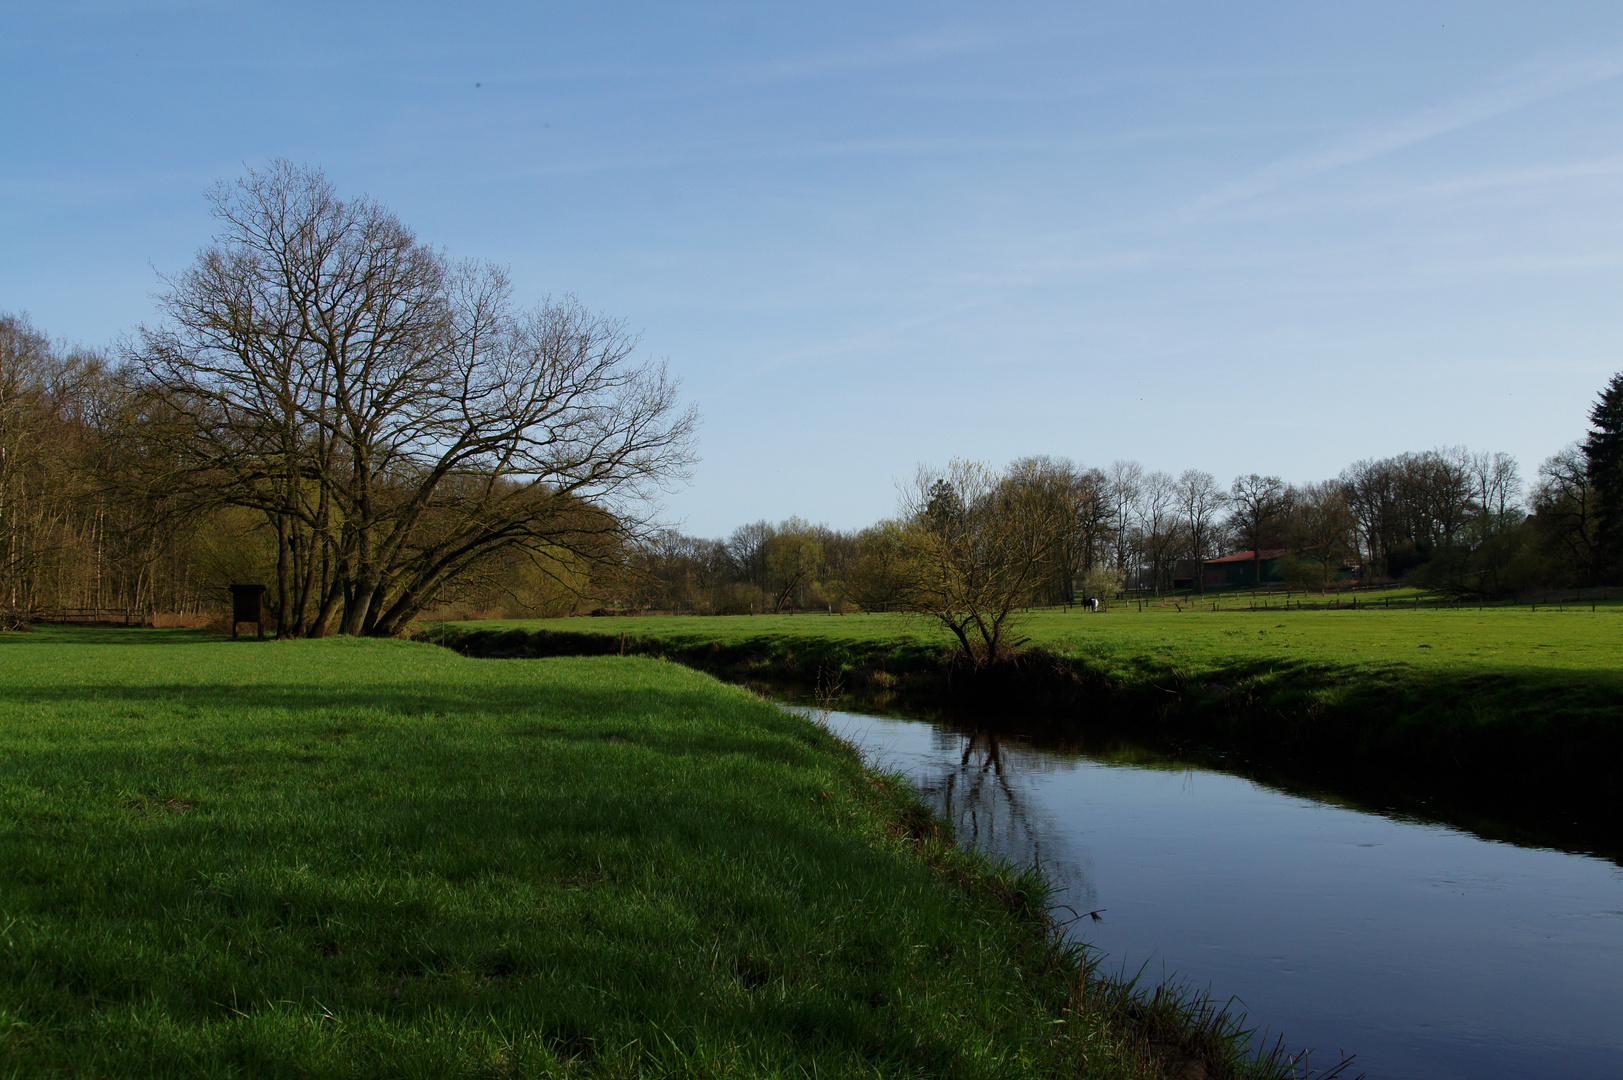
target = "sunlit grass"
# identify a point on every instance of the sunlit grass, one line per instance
(1425, 639)
(373, 858)
(1505, 699)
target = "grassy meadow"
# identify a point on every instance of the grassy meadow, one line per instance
(1571, 660)
(1574, 643)
(1507, 701)
(365, 858)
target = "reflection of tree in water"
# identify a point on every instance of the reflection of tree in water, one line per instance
(982, 798)
(981, 783)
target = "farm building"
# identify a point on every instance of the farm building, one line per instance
(1237, 569)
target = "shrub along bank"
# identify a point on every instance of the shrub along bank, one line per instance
(1507, 704)
(347, 858)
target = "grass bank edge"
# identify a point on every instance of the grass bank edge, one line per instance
(170, 800)
(1181, 1028)
(1543, 730)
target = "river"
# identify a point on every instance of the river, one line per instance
(1425, 950)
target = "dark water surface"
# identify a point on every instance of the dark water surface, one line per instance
(1426, 951)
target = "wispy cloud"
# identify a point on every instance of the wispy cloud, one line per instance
(709, 155)
(938, 44)
(1527, 86)
(1526, 187)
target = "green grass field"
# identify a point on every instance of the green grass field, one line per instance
(350, 858)
(1506, 702)
(1574, 643)
(1502, 651)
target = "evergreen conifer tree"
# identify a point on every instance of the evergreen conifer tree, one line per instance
(1603, 455)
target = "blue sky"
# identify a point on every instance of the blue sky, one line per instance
(1244, 237)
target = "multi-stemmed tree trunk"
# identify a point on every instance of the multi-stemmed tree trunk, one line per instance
(394, 417)
(979, 545)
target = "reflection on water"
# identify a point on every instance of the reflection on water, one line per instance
(983, 796)
(983, 806)
(1493, 812)
(1425, 950)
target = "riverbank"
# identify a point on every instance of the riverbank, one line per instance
(1483, 709)
(338, 858)
(1431, 952)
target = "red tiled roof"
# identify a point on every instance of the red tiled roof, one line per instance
(1245, 556)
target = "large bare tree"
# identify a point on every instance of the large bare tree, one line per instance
(1323, 527)
(1156, 513)
(1126, 480)
(1259, 505)
(1200, 501)
(395, 417)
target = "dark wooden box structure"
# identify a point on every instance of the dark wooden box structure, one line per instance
(248, 605)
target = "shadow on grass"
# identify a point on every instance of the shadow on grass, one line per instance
(426, 907)
(664, 719)
(1525, 742)
(397, 882)
(122, 636)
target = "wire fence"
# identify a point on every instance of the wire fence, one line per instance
(1359, 598)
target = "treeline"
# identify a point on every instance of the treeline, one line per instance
(333, 409)
(1462, 522)
(91, 519)
(77, 534)
(100, 519)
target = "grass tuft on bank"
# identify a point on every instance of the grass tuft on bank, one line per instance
(349, 858)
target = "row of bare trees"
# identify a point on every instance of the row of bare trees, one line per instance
(329, 405)
(104, 514)
(269, 433)
(1045, 530)
(78, 531)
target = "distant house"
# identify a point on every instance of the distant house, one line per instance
(1238, 569)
